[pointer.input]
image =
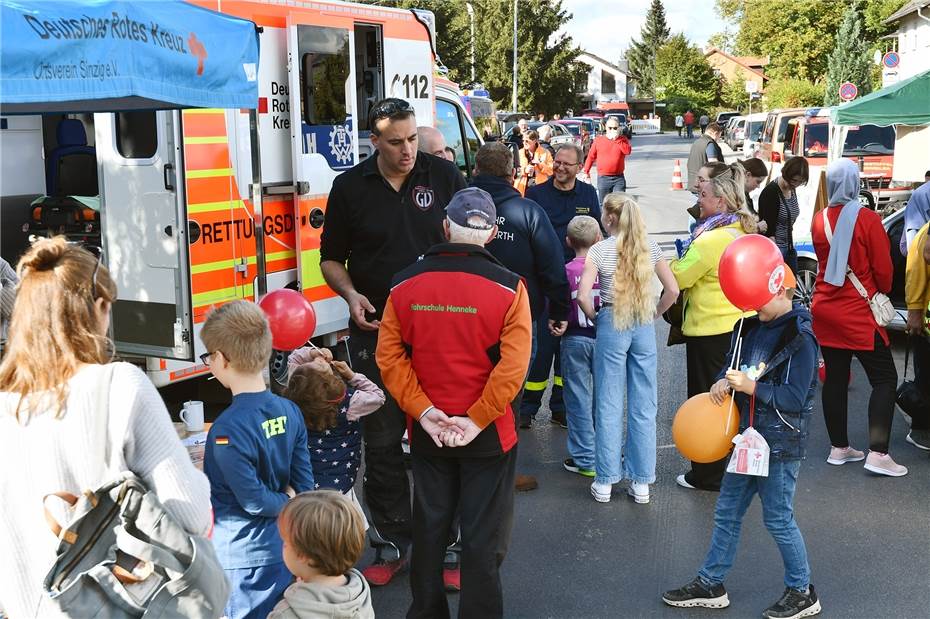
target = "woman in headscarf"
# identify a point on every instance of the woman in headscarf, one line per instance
(847, 236)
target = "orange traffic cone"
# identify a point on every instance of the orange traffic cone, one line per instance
(676, 177)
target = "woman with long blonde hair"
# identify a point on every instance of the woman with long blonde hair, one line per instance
(708, 316)
(54, 382)
(625, 347)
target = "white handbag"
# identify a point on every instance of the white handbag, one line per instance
(882, 309)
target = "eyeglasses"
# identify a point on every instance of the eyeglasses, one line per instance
(205, 357)
(93, 279)
(564, 164)
(612, 127)
(388, 108)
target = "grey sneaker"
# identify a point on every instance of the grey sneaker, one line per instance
(794, 605)
(696, 593)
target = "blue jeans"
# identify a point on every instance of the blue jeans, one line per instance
(578, 392)
(624, 366)
(609, 184)
(777, 495)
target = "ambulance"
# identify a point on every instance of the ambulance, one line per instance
(197, 207)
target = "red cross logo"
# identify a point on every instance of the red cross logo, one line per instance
(197, 49)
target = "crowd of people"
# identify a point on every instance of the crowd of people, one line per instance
(460, 299)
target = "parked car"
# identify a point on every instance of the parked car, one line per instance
(723, 117)
(579, 131)
(734, 131)
(753, 134)
(772, 149)
(590, 123)
(560, 134)
(807, 270)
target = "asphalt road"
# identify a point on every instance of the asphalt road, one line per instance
(868, 537)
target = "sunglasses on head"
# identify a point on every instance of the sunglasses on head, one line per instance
(389, 108)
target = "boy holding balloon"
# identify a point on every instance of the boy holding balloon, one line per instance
(773, 380)
(256, 459)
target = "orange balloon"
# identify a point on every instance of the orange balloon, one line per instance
(701, 431)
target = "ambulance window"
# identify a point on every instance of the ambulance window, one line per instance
(473, 145)
(447, 121)
(324, 71)
(136, 134)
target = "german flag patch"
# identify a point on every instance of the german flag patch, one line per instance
(221, 440)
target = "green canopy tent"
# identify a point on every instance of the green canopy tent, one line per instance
(904, 103)
(906, 106)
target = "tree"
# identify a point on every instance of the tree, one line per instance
(548, 74)
(687, 77)
(792, 92)
(733, 95)
(849, 61)
(642, 54)
(800, 35)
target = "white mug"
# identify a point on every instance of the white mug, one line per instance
(192, 415)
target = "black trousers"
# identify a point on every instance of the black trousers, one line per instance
(385, 485)
(920, 357)
(883, 376)
(548, 353)
(481, 491)
(706, 356)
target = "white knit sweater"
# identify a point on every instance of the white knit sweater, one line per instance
(51, 455)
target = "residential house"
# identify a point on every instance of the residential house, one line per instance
(607, 82)
(739, 68)
(913, 41)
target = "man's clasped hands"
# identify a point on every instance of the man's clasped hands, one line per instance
(446, 431)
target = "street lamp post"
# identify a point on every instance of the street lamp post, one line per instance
(471, 17)
(514, 99)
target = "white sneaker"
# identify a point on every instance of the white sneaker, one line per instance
(681, 481)
(882, 464)
(842, 455)
(601, 492)
(639, 492)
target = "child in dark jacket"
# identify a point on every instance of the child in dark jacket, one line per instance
(778, 376)
(332, 399)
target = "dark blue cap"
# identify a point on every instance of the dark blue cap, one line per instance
(472, 203)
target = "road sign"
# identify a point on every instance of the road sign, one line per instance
(848, 91)
(891, 60)
(752, 86)
(755, 96)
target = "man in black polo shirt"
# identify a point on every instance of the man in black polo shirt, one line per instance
(381, 216)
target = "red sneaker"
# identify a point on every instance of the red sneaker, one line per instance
(452, 578)
(382, 572)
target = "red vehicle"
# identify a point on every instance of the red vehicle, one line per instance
(871, 146)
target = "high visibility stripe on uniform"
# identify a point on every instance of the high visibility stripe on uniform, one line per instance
(557, 381)
(209, 207)
(216, 172)
(213, 139)
(225, 294)
(536, 386)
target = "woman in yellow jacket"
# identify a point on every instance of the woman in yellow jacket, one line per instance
(917, 297)
(709, 318)
(535, 163)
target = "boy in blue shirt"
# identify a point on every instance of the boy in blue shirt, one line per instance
(778, 377)
(256, 459)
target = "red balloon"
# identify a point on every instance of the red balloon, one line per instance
(751, 270)
(291, 317)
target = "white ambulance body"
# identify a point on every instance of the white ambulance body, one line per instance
(322, 66)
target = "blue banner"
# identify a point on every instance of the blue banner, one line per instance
(110, 55)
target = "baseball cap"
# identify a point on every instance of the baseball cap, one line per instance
(472, 203)
(790, 281)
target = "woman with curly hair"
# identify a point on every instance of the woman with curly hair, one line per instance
(708, 316)
(625, 347)
(332, 399)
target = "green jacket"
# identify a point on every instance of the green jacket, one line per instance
(706, 310)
